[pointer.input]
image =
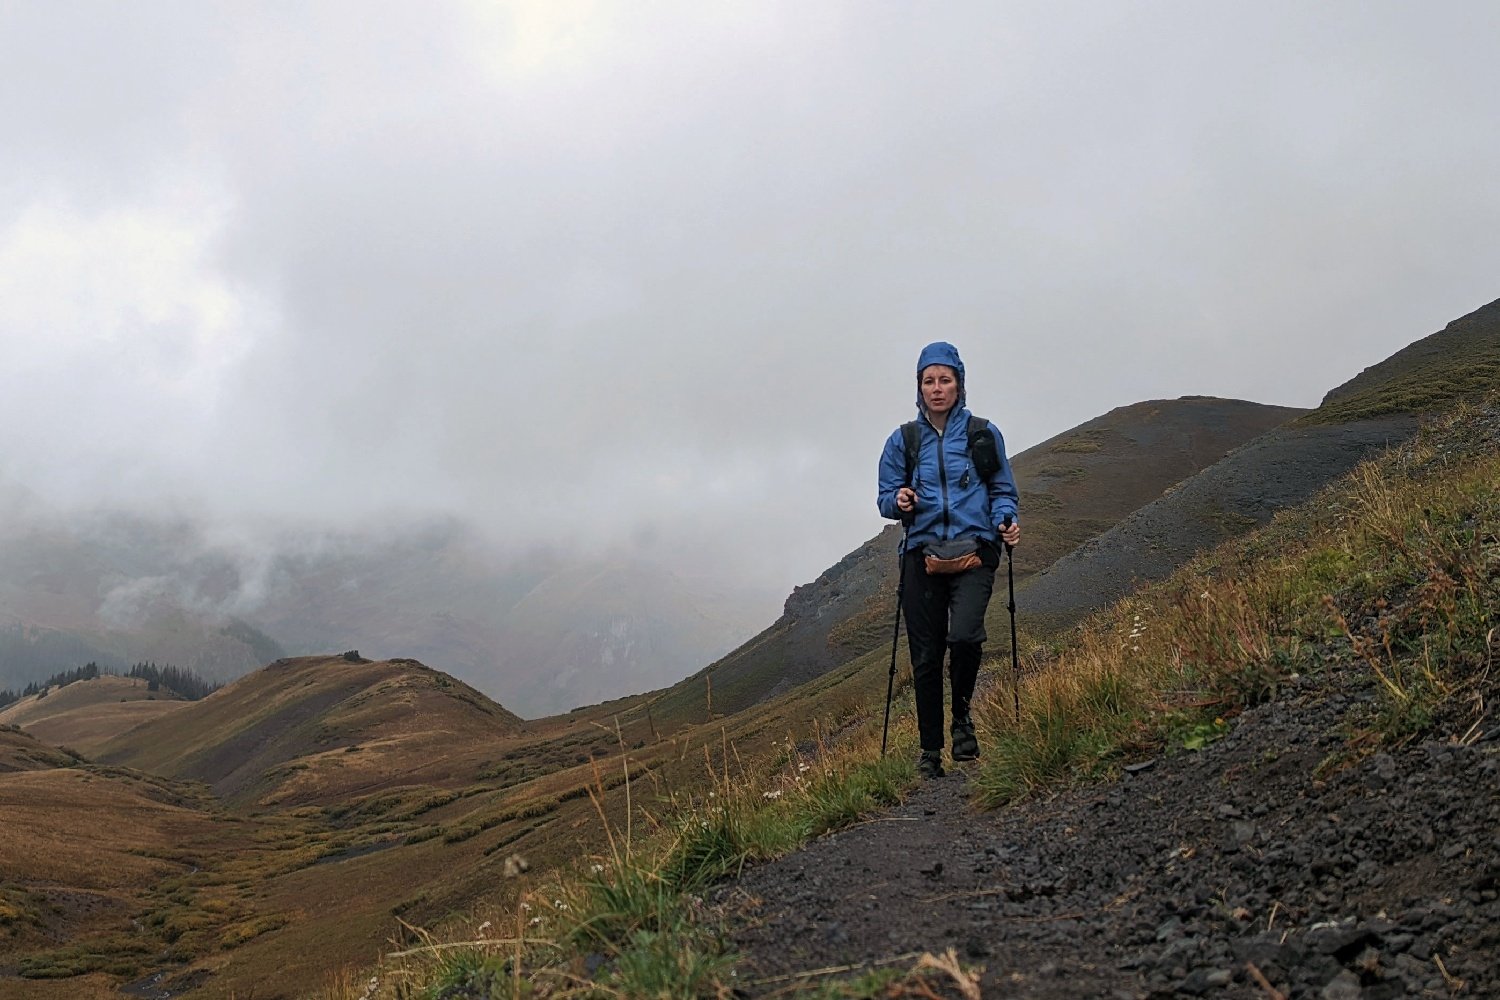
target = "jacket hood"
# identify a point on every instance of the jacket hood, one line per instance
(940, 352)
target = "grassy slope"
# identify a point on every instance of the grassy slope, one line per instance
(23, 752)
(87, 714)
(330, 862)
(843, 696)
(1392, 567)
(1460, 361)
(87, 849)
(303, 881)
(379, 788)
(317, 729)
(1285, 466)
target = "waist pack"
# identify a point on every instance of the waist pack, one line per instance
(955, 556)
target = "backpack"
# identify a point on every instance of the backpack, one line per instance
(983, 452)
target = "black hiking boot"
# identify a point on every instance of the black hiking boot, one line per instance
(965, 746)
(930, 764)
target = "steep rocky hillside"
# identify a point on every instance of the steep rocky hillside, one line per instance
(1462, 359)
(1377, 409)
(1072, 486)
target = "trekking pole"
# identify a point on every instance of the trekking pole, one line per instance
(1015, 658)
(890, 684)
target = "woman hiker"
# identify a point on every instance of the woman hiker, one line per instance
(958, 500)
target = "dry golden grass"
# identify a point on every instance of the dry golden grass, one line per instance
(318, 730)
(93, 986)
(21, 751)
(1399, 543)
(97, 832)
(87, 851)
(410, 805)
(86, 715)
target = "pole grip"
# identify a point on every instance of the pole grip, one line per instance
(906, 516)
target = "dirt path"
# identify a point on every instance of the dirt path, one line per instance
(1192, 877)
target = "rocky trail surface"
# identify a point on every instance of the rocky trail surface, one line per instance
(1268, 864)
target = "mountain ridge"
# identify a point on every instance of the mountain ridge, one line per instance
(1380, 407)
(337, 718)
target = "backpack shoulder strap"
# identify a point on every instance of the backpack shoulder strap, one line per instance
(910, 438)
(983, 451)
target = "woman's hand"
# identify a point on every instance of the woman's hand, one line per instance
(1010, 535)
(906, 500)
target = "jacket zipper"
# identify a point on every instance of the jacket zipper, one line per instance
(943, 482)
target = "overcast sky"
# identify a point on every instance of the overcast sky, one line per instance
(657, 273)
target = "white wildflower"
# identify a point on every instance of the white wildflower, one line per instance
(775, 793)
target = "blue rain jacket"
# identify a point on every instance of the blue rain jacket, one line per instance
(952, 501)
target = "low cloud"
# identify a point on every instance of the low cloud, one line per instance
(657, 276)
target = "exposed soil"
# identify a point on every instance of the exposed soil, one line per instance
(1256, 867)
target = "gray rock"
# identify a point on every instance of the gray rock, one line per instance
(1344, 986)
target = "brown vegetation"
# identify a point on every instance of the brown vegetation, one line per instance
(88, 714)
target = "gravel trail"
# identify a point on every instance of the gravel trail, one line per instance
(1251, 868)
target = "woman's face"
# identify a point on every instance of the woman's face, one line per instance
(939, 388)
